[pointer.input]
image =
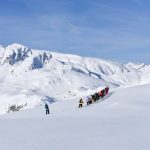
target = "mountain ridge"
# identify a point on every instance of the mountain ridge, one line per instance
(29, 76)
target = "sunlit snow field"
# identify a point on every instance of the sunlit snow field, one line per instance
(120, 122)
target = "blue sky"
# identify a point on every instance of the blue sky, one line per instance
(108, 29)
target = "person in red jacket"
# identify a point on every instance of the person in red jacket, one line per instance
(100, 94)
(106, 90)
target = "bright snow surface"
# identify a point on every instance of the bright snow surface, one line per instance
(119, 122)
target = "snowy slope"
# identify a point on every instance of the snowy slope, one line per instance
(28, 76)
(120, 122)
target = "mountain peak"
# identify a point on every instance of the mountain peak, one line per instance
(135, 65)
(14, 53)
(16, 46)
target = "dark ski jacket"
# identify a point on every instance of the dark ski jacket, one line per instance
(46, 107)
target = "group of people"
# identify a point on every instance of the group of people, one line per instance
(90, 99)
(95, 97)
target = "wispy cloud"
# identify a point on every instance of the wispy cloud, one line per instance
(108, 29)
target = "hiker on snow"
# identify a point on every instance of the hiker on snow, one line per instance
(106, 90)
(97, 96)
(103, 93)
(93, 98)
(46, 108)
(89, 100)
(80, 103)
(100, 94)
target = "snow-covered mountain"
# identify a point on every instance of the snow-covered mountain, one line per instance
(28, 76)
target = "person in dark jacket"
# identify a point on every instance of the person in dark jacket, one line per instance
(97, 96)
(46, 108)
(93, 98)
(89, 100)
(103, 93)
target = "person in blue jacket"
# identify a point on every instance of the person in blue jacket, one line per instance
(46, 108)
